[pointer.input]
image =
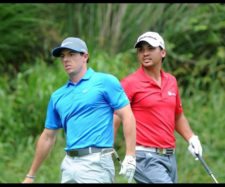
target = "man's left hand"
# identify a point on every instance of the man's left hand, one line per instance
(128, 167)
(195, 146)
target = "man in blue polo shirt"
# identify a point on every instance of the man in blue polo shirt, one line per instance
(84, 108)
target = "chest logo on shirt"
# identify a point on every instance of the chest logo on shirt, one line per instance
(84, 91)
(171, 93)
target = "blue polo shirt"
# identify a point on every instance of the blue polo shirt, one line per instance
(85, 110)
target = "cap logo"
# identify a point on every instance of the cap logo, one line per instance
(147, 37)
(66, 43)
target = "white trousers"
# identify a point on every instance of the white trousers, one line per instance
(92, 168)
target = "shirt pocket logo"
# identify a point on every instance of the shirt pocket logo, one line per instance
(170, 93)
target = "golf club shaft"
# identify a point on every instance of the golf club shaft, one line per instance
(206, 167)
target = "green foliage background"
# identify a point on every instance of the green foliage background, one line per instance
(194, 36)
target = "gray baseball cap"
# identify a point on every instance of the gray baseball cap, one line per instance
(71, 43)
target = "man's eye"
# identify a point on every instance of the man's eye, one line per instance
(72, 53)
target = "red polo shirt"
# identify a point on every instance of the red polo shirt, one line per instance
(154, 108)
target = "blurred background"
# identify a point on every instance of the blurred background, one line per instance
(195, 44)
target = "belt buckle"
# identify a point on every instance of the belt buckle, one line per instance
(160, 151)
(76, 153)
(73, 153)
(163, 151)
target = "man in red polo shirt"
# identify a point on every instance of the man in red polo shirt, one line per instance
(156, 104)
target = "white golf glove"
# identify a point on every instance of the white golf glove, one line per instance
(128, 167)
(195, 146)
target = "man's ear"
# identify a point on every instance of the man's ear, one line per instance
(163, 53)
(86, 56)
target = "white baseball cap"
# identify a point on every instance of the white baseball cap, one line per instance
(152, 38)
(71, 43)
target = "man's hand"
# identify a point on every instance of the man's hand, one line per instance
(195, 146)
(128, 167)
(28, 180)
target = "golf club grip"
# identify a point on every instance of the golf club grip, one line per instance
(117, 157)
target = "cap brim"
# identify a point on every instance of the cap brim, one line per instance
(56, 52)
(151, 42)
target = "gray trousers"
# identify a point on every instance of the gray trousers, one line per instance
(154, 168)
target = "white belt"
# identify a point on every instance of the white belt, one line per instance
(163, 151)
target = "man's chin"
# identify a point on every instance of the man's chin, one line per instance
(72, 73)
(146, 63)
